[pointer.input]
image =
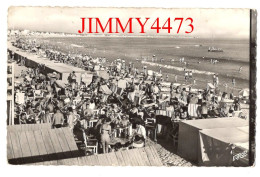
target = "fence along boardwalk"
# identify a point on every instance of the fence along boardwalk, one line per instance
(31, 146)
(146, 156)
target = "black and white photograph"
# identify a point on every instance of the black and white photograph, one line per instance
(161, 87)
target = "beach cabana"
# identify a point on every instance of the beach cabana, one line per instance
(103, 74)
(224, 146)
(210, 86)
(189, 134)
(87, 78)
(244, 93)
(105, 89)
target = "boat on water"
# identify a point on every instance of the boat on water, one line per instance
(214, 49)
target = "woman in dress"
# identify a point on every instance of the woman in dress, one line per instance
(105, 131)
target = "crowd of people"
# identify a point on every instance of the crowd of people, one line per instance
(121, 102)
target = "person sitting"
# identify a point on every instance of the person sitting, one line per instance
(139, 136)
(23, 118)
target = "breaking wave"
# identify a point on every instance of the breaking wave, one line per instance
(177, 68)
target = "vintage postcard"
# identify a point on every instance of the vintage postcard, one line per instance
(131, 86)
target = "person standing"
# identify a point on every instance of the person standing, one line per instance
(204, 111)
(190, 75)
(58, 119)
(167, 77)
(71, 119)
(105, 131)
(186, 75)
(214, 79)
(233, 82)
(176, 78)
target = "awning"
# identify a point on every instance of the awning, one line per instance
(103, 74)
(244, 92)
(210, 85)
(105, 89)
(87, 78)
(60, 83)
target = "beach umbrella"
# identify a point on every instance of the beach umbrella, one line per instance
(244, 92)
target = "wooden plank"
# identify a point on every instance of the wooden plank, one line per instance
(11, 128)
(47, 163)
(70, 141)
(81, 161)
(74, 161)
(150, 156)
(18, 127)
(95, 160)
(43, 126)
(24, 127)
(113, 158)
(48, 144)
(86, 160)
(120, 159)
(133, 158)
(127, 159)
(16, 145)
(32, 143)
(24, 144)
(107, 158)
(32, 127)
(39, 142)
(155, 155)
(63, 143)
(53, 162)
(28, 127)
(102, 161)
(56, 144)
(40, 163)
(138, 156)
(144, 157)
(91, 160)
(135, 153)
(10, 151)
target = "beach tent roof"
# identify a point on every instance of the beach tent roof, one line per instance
(189, 134)
(210, 85)
(60, 83)
(87, 78)
(223, 139)
(244, 92)
(105, 89)
(103, 74)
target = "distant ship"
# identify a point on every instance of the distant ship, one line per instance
(213, 49)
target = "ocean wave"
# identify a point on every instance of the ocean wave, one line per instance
(177, 68)
(75, 45)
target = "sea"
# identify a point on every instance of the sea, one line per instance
(165, 53)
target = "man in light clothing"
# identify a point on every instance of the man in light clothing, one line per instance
(139, 136)
(71, 119)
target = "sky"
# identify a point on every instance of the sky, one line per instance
(216, 23)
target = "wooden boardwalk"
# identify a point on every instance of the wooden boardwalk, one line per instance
(146, 156)
(28, 127)
(39, 145)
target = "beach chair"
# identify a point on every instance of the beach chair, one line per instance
(90, 143)
(37, 94)
(150, 126)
